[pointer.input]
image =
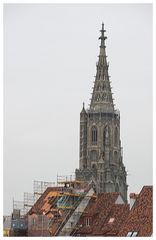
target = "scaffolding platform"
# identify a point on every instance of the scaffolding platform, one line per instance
(18, 209)
(29, 200)
(40, 186)
(61, 179)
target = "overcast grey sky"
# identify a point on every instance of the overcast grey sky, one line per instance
(50, 55)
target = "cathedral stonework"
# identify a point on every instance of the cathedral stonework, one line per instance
(100, 146)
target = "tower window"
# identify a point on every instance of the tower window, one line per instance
(94, 166)
(106, 136)
(115, 156)
(93, 155)
(94, 135)
(116, 137)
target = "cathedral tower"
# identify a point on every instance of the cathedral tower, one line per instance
(100, 145)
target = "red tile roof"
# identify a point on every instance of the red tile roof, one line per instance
(99, 212)
(46, 206)
(43, 203)
(140, 219)
(104, 215)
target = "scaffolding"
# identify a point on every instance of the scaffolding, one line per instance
(68, 211)
(59, 214)
(69, 182)
(40, 186)
(72, 217)
(29, 200)
(61, 179)
(68, 200)
(21, 208)
(18, 209)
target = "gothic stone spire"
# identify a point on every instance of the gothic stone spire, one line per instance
(100, 144)
(102, 96)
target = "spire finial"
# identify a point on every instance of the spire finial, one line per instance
(83, 105)
(102, 37)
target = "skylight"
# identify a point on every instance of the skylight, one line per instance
(132, 234)
(111, 220)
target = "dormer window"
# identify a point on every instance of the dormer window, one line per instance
(132, 234)
(87, 221)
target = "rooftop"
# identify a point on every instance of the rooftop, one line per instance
(140, 219)
(106, 213)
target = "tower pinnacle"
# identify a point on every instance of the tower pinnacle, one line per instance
(102, 37)
(102, 97)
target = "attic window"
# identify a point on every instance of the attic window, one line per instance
(111, 220)
(87, 221)
(132, 234)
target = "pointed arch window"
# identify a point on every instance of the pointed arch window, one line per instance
(94, 135)
(106, 137)
(98, 87)
(116, 137)
(94, 166)
(115, 157)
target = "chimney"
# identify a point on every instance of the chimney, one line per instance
(132, 197)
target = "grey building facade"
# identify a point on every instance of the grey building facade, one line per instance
(100, 145)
